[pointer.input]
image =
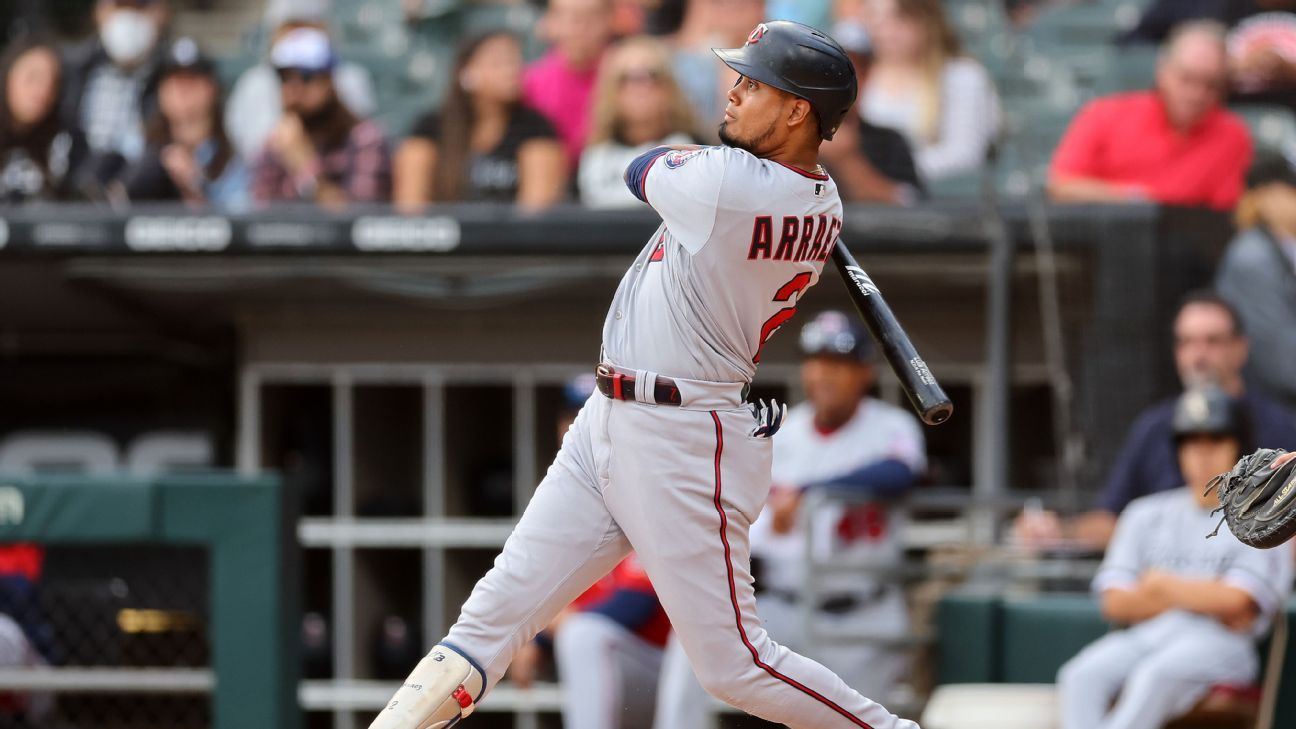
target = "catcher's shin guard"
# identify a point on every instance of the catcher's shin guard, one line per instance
(442, 689)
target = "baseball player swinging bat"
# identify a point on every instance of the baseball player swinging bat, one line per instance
(925, 393)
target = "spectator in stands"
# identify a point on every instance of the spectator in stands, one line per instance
(39, 156)
(921, 85)
(638, 105)
(319, 151)
(485, 145)
(561, 84)
(1174, 145)
(1195, 606)
(189, 157)
(845, 440)
(711, 24)
(111, 80)
(1210, 346)
(253, 108)
(868, 162)
(1258, 273)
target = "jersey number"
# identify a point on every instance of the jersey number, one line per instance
(789, 291)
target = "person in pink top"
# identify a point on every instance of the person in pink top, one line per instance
(561, 84)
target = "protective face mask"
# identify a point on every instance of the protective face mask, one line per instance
(127, 35)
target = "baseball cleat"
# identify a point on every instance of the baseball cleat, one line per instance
(441, 690)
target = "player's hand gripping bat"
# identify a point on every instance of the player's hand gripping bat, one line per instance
(929, 400)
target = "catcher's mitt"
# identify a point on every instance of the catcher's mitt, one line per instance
(1258, 501)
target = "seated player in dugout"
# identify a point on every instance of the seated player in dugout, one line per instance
(607, 645)
(1195, 606)
(840, 438)
(1210, 346)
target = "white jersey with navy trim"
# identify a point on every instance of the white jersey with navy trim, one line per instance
(741, 240)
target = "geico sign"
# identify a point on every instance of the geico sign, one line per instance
(197, 234)
(391, 233)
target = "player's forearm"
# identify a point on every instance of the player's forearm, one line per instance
(1128, 607)
(1230, 605)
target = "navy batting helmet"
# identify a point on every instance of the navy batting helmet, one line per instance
(834, 333)
(801, 61)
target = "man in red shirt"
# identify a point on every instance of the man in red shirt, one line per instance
(1174, 145)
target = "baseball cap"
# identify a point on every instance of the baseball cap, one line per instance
(186, 55)
(304, 49)
(1270, 166)
(1207, 410)
(836, 334)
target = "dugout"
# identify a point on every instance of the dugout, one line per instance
(404, 374)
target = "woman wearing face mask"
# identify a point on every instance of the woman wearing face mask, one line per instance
(637, 106)
(189, 157)
(485, 145)
(38, 156)
(112, 78)
(922, 86)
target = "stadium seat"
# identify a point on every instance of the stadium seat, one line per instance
(1272, 127)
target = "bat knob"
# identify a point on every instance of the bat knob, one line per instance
(938, 413)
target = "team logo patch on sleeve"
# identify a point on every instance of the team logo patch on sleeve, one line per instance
(676, 159)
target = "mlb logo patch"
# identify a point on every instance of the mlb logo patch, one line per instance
(676, 158)
(820, 189)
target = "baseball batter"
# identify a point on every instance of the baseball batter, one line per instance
(667, 458)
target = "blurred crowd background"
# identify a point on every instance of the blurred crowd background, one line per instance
(364, 246)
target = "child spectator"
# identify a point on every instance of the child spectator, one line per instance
(561, 84)
(1195, 606)
(638, 106)
(711, 24)
(1258, 274)
(111, 81)
(1174, 145)
(253, 108)
(922, 86)
(189, 157)
(39, 157)
(485, 145)
(319, 151)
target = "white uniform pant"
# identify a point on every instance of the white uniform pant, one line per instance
(871, 669)
(609, 674)
(1160, 668)
(682, 486)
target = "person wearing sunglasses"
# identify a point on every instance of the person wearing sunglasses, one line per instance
(638, 105)
(319, 151)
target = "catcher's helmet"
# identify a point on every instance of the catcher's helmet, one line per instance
(801, 61)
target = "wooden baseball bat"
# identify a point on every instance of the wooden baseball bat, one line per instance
(928, 399)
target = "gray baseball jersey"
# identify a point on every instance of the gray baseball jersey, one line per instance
(741, 240)
(1167, 531)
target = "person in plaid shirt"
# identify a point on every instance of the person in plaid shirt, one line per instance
(319, 152)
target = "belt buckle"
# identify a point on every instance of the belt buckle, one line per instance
(617, 379)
